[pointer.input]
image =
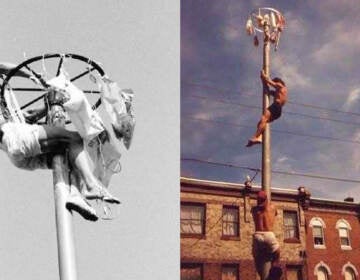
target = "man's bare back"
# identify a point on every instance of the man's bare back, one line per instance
(265, 241)
(264, 217)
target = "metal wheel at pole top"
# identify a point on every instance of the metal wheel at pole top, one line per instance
(266, 17)
(31, 93)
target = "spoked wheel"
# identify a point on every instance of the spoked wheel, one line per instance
(30, 92)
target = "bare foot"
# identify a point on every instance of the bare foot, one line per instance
(253, 141)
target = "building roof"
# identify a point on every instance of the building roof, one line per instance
(236, 189)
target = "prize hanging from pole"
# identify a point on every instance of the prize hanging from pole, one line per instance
(261, 17)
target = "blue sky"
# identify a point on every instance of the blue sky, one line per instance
(221, 100)
(137, 44)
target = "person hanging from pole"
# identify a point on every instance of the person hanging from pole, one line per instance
(273, 112)
(92, 154)
(266, 248)
(30, 146)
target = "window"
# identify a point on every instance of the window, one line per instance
(318, 226)
(344, 237)
(191, 272)
(291, 229)
(349, 274)
(293, 272)
(192, 218)
(230, 225)
(344, 234)
(318, 235)
(230, 272)
(322, 273)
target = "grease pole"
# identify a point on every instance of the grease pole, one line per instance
(266, 143)
(64, 226)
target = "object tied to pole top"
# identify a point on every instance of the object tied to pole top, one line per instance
(267, 19)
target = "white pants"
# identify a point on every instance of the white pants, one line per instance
(21, 143)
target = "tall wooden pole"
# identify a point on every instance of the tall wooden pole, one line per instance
(266, 148)
(64, 228)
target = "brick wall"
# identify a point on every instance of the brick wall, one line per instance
(333, 256)
(213, 251)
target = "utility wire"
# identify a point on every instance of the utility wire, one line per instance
(290, 102)
(275, 130)
(222, 101)
(316, 176)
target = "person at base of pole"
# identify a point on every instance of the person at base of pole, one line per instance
(273, 112)
(266, 248)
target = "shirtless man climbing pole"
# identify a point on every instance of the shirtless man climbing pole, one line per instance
(266, 248)
(273, 112)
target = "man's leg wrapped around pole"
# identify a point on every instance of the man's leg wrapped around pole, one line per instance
(262, 262)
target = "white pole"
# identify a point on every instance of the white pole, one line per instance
(64, 227)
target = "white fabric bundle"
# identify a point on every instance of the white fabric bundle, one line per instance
(104, 156)
(118, 105)
(86, 121)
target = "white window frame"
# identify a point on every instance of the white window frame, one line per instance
(318, 222)
(235, 223)
(342, 225)
(352, 267)
(322, 265)
(296, 224)
(201, 220)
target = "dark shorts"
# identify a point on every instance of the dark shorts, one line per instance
(275, 110)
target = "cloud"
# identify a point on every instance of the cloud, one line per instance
(341, 43)
(283, 163)
(232, 33)
(290, 72)
(355, 154)
(295, 25)
(353, 96)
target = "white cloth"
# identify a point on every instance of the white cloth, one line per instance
(104, 158)
(265, 240)
(86, 121)
(21, 143)
(118, 105)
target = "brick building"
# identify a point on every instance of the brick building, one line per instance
(217, 227)
(333, 239)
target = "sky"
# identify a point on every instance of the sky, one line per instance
(137, 44)
(221, 94)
